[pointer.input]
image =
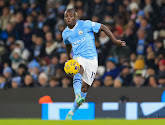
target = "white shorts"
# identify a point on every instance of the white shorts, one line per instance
(90, 69)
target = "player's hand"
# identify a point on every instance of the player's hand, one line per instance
(120, 43)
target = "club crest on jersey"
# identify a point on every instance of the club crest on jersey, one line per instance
(80, 32)
(93, 23)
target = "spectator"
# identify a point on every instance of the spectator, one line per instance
(99, 50)
(46, 28)
(9, 31)
(125, 76)
(43, 80)
(96, 7)
(66, 82)
(139, 63)
(81, 14)
(58, 38)
(2, 51)
(27, 37)
(138, 80)
(159, 46)
(10, 41)
(144, 24)
(34, 69)
(110, 7)
(44, 62)
(161, 67)
(108, 81)
(103, 38)
(16, 58)
(53, 65)
(79, 4)
(59, 73)
(150, 72)
(24, 7)
(118, 83)
(7, 72)
(16, 82)
(4, 19)
(132, 59)
(54, 82)
(22, 70)
(141, 42)
(111, 68)
(161, 81)
(13, 6)
(25, 54)
(34, 7)
(153, 82)
(19, 25)
(63, 59)
(49, 37)
(133, 7)
(28, 81)
(2, 5)
(51, 45)
(130, 38)
(96, 83)
(141, 15)
(61, 48)
(150, 61)
(40, 21)
(29, 21)
(50, 48)
(38, 46)
(3, 83)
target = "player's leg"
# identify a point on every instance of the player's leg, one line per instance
(84, 89)
(77, 85)
(88, 77)
(79, 98)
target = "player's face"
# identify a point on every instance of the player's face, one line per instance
(70, 18)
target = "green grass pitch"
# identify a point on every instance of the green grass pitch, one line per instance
(90, 122)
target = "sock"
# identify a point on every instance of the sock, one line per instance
(84, 94)
(77, 83)
(75, 105)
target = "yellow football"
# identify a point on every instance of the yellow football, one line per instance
(72, 67)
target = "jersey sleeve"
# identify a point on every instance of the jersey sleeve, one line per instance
(94, 26)
(64, 36)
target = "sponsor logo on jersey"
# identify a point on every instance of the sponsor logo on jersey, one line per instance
(78, 42)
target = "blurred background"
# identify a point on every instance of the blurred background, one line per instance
(32, 52)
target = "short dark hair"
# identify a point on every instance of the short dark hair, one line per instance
(71, 10)
(54, 78)
(110, 76)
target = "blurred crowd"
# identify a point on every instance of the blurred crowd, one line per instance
(32, 52)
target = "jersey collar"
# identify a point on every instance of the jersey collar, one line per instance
(73, 27)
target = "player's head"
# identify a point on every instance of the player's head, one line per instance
(70, 17)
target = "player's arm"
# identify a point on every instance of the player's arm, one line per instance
(111, 36)
(69, 48)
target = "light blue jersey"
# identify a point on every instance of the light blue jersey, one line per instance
(82, 39)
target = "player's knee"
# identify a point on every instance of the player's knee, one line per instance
(84, 88)
(81, 70)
